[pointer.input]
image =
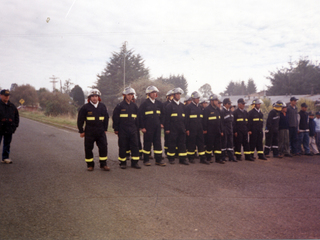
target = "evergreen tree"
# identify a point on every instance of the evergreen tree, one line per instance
(206, 90)
(77, 95)
(176, 81)
(251, 86)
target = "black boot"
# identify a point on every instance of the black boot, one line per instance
(191, 160)
(249, 158)
(146, 161)
(160, 162)
(183, 161)
(204, 161)
(123, 164)
(134, 164)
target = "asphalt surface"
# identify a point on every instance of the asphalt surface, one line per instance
(48, 194)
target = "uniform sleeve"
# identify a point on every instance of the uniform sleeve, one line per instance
(235, 117)
(162, 114)
(222, 114)
(106, 120)
(250, 120)
(187, 116)
(167, 124)
(141, 112)
(269, 120)
(116, 118)
(81, 119)
(205, 119)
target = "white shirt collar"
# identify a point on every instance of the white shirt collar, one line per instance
(153, 101)
(258, 110)
(195, 103)
(95, 105)
(225, 108)
(177, 102)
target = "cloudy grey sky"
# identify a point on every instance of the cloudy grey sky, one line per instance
(208, 41)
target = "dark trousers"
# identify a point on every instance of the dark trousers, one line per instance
(195, 139)
(293, 136)
(128, 139)
(152, 136)
(241, 139)
(6, 145)
(166, 140)
(101, 141)
(227, 145)
(177, 139)
(213, 145)
(272, 138)
(256, 142)
(284, 141)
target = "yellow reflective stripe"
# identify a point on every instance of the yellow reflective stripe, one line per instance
(129, 151)
(217, 152)
(122, 159)
(146, 152)
(170, 154)
(201, 153)
(90, 118)
(260, 152)
(240, 120)
(208, 152)
(140, 150)
(191, 153)
(182, 154)
(256, 119)
(261, 119)
(211, 118)
(101, 118)
(237, 153)
(193, 116)
(149, 112)
(134, 115)
(252, 152)
(183, 115)
(158, 111)
(174, 114)
(165, 147)
(135, 158)
(123, 115)
(247, 152)
(89, 159)
(247, 119)
(157, 152)
(201, 115)
(219, 117)
(103, 158)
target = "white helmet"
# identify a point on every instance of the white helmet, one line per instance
(178, 90)
(195, 94)
(257, 101)
(94, 92)
(170, 92)
(129, 90)
(151, 89)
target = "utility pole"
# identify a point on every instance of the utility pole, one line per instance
(124, 64)
(54, 81)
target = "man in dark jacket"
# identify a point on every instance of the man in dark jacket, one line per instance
(284, 143)
(303, 130)
(169, 97)
(96, 117)
(151, 118)
(312, 132)
(9, 118)
(292, 113)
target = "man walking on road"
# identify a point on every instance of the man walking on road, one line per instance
(96, 117)
(9, 118)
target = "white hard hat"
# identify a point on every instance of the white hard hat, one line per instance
(94, 92)
(151, 89)
(128, 90)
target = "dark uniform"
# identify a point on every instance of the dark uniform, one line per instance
(227, 129)
(96, 120)
(194, 119)
(272, 132)
(165, 104)
(151, 117)
(240, 127)
(175, 123)
(9, 118)
(126, 124)
(255, 126)
(212, 124)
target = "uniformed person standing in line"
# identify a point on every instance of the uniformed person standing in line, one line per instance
(95, 115)
(272, 131)
(125, 125)
(212, 127)
(169, 97)
(194, 127)
(227, 129)
(175, 128)
(255, 127)
(187, 100)
(151, 120)
(240, 129)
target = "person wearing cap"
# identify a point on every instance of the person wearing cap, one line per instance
(194, 129)
(240, 130)
(272, 131)
(317, 134)
(151, 118)
(312, 132)
(169, 97)
(125, 125)
(212, 127)
(292, 113)
(284, 143)
(255, 127)
(9, 117)
(303, 130)
(96, 118)
(227, 129)
(175, 128)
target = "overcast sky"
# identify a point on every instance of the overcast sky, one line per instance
(208, 41)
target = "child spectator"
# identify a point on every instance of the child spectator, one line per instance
(312, 131)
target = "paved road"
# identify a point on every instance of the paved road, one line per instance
(48, 194)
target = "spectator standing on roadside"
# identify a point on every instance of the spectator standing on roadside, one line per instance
(312, 132)
(303, 130)
(284, 143)
(292, 113)
(317, 123)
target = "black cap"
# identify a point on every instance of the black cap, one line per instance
(226, 100)
(317, 113)
(5, 92)
(240, 100)
(311, 114)
(293, 99)
(304, 105)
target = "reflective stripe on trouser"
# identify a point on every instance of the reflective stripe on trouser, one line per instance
(271, 143)
(152, 137)
(195, 139)
(128, 139)
(101, 141)
(241, 139)
(227, 145)
(255, 142)
(177, 139)
(213, 145)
